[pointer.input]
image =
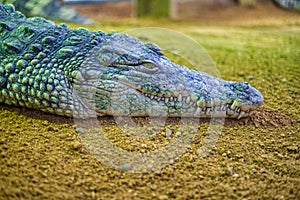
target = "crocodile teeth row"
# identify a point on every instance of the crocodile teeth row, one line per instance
(231, 110)
(221, 111)
(188, 101)
(237, 112)
(180, 98)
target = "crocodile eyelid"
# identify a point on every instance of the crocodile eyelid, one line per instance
(148, 66)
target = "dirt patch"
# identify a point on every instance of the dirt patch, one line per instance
(261, 118)
(266, 118)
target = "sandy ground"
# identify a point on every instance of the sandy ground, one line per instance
(261, 118)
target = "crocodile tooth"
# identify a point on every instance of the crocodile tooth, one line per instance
(234, 105)
(171, 98)
(166, 100)
(191, 103)
(201, 103)
(242, 114)
(188, 100)
(152, 96)
(207, 111)
(198, 111)
(224, 107)
(179, 98)
(221, 107)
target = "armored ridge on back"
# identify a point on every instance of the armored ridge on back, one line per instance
(70, 72)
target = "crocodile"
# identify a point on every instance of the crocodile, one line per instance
(49, 9)
(77, 73)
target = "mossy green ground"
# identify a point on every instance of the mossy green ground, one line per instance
(45, 159)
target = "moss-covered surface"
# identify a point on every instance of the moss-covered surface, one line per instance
(42, 157)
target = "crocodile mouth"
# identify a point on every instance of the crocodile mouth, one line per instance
(187, 105)
(230, 109)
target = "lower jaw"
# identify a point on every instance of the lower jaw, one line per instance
(199, 113)
(191, 109)
(214, 114)
(222, 111)
(158, 109)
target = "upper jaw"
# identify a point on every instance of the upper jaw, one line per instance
(212, 98)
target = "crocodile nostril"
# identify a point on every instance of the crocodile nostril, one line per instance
(245, 85)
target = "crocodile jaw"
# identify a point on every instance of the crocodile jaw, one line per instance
(154, 95)
(125, 77)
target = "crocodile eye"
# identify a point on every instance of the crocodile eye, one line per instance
(148, 66)
(107, 58)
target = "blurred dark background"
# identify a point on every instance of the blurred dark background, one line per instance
(202, 10)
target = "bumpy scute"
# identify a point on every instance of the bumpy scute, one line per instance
(33, 53)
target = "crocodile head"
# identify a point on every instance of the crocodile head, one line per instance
(124, 76)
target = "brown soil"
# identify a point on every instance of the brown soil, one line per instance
(261, 118)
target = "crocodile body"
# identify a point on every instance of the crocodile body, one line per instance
(69, 72)
(49, 9)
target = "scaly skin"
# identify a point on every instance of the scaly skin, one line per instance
(76, 72)
(50, 9)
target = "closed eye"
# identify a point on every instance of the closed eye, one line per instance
(148, 66)
(107, 58)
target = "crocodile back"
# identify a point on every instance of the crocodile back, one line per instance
(37, 59)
